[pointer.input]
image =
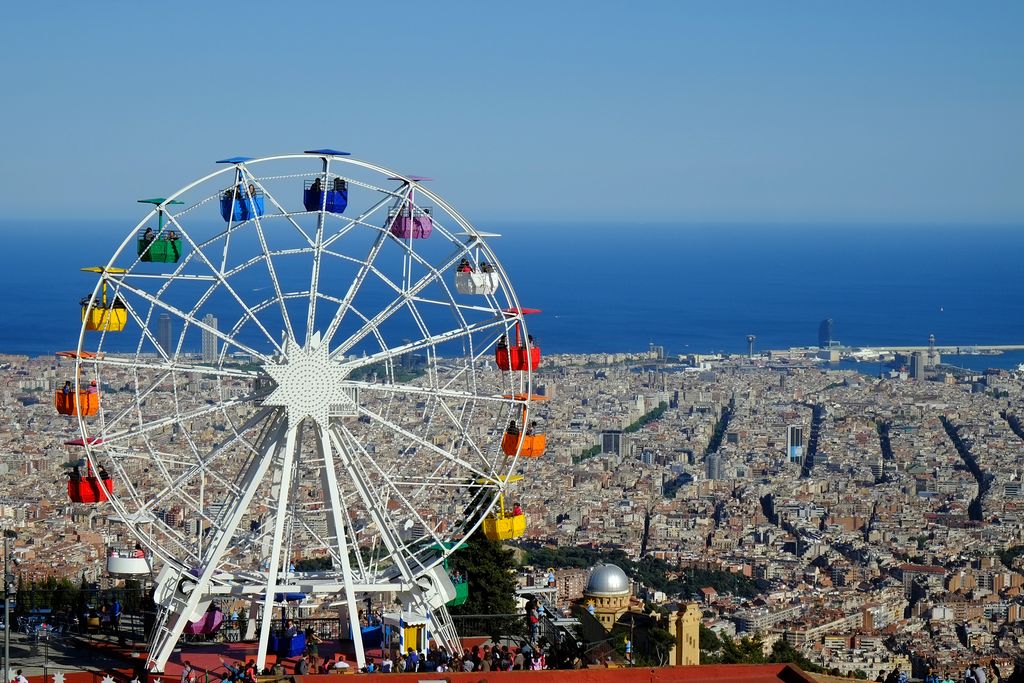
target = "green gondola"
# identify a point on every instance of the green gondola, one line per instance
(160, 246)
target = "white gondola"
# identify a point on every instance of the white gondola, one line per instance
(476, 283)
(126, 563)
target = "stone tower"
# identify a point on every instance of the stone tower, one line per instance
(688, 636)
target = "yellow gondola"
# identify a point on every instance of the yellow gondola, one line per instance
(504, 525)
(104, 315)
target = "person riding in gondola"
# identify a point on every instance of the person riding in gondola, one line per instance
(148, 236)
(502, 342)
(464, 267)
(512, 428)
(486, 267)
(102, 471)
(531, 428)
(517, 510)
(316, 187)
(340, 185)
(68, 389)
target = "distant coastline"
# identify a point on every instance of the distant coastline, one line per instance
(687, 288)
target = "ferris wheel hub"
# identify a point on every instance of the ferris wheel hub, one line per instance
(309, 384)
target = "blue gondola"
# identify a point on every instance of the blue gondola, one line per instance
(336, 200)
(238, 205)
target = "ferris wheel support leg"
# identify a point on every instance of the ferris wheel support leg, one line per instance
(375, 507)
(336, 526)
(177, 613)
(275, 553)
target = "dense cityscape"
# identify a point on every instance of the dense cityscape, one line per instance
(879, 518)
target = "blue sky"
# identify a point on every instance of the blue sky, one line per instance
(563, 111)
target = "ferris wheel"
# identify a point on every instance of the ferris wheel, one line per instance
(304, 356)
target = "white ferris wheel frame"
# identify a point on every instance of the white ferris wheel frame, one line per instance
(274, 449)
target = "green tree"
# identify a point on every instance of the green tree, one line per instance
(745, 651)
(490, 572)
(661, 642)
(709, 642)
(784, 653)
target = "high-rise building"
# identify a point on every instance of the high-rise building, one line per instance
(163, 332)
(209, 339)
(825, 333)
(795, 444)
(713, 466)
(917, 361)
(611, 442)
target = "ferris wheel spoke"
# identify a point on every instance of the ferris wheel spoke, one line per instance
(144, 428)
(413, 390)
(202, 465)
(318, 254)
(273, 200)
(463, 432)
(427, 342)
(230, 341)
(173, 366)
(348, 447)
(272, 273)
(400, 301)
(359, 220)
(383, 476)
(323, 246)
(421, 442)
(357, 284)
(223, 281)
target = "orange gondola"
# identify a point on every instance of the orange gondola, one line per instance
(84, 403)
(533, 445)
(529, 445)
(87, 401)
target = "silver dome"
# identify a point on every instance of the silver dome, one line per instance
(607, 580)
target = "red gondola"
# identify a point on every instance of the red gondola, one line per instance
(90, 489)
(523, 354)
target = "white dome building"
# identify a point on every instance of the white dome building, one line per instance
(608, 591)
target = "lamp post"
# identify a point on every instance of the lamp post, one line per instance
(8, 592)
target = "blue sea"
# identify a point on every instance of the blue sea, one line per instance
(690, 288)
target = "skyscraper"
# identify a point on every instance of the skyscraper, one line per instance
(163, 332)
(917, 365)
(209, 339)
(825, 333)
(713, 466)
(795, 444)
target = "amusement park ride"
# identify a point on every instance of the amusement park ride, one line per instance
(357, 400)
